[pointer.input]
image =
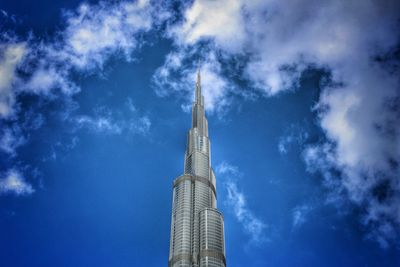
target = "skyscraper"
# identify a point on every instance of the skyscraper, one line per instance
(197, 227)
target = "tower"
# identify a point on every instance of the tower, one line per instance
(197, 227)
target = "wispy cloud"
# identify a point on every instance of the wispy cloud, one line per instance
(14, 183)
(104, 124)
(10, 139)
(225, 168)
(92, 34)
(252, 225)
(98, 124)
(116, 122)
(12, 134)
(299, 215)
(11, 55)
(375, 190)
(236, 200)
(294, 135)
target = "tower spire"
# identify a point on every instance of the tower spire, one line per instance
(198, 86)
(197, 226)
(199, 120)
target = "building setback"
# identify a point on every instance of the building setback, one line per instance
(197, 227)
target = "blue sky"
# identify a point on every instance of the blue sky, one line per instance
(302, 100)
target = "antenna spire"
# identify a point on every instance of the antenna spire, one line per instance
(198, 86)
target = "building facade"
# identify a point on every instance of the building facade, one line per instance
(197, 227)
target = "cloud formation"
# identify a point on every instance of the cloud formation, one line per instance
(10, 139)
(95, 32)
(91, 35)
(14, 183)
(236, 200)
(219, 20)
(11, 55)
(299, 214)
(113, 122)
(294, 134)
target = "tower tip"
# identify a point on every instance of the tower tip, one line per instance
(198, 74)
(198, 86)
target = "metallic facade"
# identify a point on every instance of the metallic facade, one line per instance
(197, 227)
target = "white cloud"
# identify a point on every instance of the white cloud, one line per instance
(225, 168)
(362, 129)
(11, 55)
(220, 20)
(252, 225)
(142, 126)
(294, 134)
(60, 149)
(14, 183)
(279, 35)
(282, 145)
(300, 214)
(10, 139)
(94, 32)
(47, 78)
(98, 124)
(112, 122)
(236, 200)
